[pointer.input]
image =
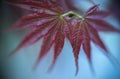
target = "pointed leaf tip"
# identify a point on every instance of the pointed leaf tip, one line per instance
(92, 9)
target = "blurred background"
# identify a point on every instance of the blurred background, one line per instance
(21, 65)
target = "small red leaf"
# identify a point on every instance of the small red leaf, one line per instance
(86, 42)
(95, 37)
(76, 42)
(32, 20)
(101, 25)
(99, 14)
(59, 43)
(92, 10)
(35, 6)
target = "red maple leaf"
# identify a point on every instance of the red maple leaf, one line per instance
(49, 21)
(85, 30)
(46, 21)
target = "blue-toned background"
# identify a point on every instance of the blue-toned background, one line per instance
(21, 65)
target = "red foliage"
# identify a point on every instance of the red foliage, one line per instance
(47, 21)
(85, 30)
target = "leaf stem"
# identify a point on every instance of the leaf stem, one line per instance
(72, 14)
